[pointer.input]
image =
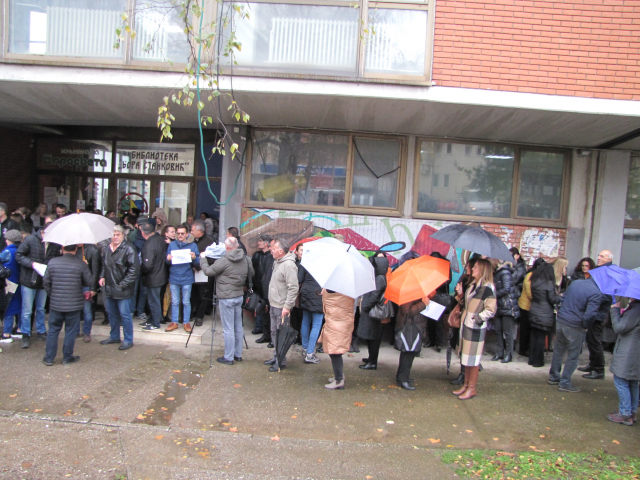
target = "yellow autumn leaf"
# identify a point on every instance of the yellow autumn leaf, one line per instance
(276, 438)
(237, 385)
(233, 429)
(38, 410)
(469, 431)
(14, 395)
(616, 442)
(496, 438)
(177, 371)
(171, 399)
(159, 437)
(434, 440)
(141, 417)
(358, 404)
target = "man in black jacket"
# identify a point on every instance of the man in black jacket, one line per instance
(154, 272)
(120, 268)
(201, 292)
(64, 281)
(595, 367)
(33, 250)
(89, 254)
(262, 262)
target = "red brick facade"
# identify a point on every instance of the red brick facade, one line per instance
(586, 48)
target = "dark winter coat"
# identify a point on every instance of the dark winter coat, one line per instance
(579, 275)
(94, 262)
(32, 250)
(371, 328)
(152, 265)
(519, 272)
(506, 292)
(626, 353)
(63, 281)
(262, 265)
(543, 301)
(310, 291)
(605, 304)
(120, 270)
(580, 304)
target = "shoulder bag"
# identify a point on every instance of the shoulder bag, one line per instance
(408, 337)
(455, 317)
(382, 309)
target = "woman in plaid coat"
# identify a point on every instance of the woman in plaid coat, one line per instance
(479, 305)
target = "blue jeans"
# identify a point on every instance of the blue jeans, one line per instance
(153, 294)
(569, 340)
(142, 299)
(175, 303)
(120, 314)
(310, 329)
(28, 296)
(15, 298)
(231, 318)
(627, 394)
(87, 313)
(71, 322)
(262, 323)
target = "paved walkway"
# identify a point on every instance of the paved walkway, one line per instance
(159, 412)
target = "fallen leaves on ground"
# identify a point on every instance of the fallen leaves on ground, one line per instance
(434, 440)
(469, 431)
(37, 410)
(358, 404)
(509, 454)
(237, 385)
(226, 424)
(159, 437)
(616, 442)
(294, 416)
(171, 399)
(26, 465)
(496, 438)
(233, 429)
(177, 371)
(13, 396)
(164, 408)
(141, 417)
(276, 438)
(379, 429)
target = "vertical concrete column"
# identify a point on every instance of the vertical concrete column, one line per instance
(581, 198)
(409, 177)
(231, 212)
(611, 179)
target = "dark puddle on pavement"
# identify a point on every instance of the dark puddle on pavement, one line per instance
(167, 402)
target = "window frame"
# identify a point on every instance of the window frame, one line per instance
(635, 224)
(513, 219)
(348, 207)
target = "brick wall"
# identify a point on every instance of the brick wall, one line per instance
(586, 48)
(17, 177)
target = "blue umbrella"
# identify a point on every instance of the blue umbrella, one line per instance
(610, 279)
(632, 287)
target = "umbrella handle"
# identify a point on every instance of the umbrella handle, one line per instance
(283, 317)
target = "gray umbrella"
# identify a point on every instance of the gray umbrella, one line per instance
(475, 240)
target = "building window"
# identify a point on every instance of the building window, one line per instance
(160, 35)
(83, 28)
(630, 256)
(300, 168)
(484, 185)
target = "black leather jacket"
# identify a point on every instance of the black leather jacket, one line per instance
(94, 261)
(120, 270)
(32, 250)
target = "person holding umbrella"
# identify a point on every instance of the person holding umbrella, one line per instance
(339, 310)
(479, 306)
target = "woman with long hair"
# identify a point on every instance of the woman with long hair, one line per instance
(561, 282)
(435, 328)
(479, 306)
(454, 338)
(583, 267)
(544, 299)
(508, 311)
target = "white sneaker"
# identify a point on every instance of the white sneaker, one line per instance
(7, 339)
(311, 358)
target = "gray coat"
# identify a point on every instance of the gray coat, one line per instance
(231, 272)
(63, 281)
(626, 353)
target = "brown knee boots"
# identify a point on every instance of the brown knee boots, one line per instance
(471, 373)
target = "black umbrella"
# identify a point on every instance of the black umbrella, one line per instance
(285, 337)
(474, 239)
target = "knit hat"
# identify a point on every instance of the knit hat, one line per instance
(13, 236)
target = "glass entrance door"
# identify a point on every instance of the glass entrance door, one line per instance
(133, 194)
(174, 198)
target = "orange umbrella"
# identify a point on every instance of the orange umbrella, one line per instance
(416, 279)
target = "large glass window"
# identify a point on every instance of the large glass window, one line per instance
(630, 257)
(375, 172)
(299, 168)
(540, 186)
(397, 42)
(299, 38)
(479, 180)
(75, 28)
(160, 32)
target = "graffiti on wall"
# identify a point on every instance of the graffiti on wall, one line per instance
(396, 236)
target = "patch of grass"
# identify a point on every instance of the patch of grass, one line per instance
(491, 464)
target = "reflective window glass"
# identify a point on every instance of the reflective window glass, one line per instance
(540, 189)
(397, 42)
(299, 168)
(376, 167)
(478, 183)
(633, 191)
(298, 38)
(75, 28)
(160, 32)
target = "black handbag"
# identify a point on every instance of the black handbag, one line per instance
(408, 337)
(381, 310)
(5, 272)
(251, 301)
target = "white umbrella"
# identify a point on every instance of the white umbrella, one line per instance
(339, 266)
(79, 228)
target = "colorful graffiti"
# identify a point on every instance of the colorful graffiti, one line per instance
(370, 233)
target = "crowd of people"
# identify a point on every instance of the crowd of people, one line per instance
(168, 274)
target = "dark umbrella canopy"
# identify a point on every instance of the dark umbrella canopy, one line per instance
(285, 337)
(474, 239)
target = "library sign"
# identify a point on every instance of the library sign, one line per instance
(155, 158)
(87, 156)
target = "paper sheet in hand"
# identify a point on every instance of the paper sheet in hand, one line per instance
(40, 268)
(434, 310)
(200, 277)
(180, 256)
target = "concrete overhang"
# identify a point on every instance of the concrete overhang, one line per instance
(55, 95)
